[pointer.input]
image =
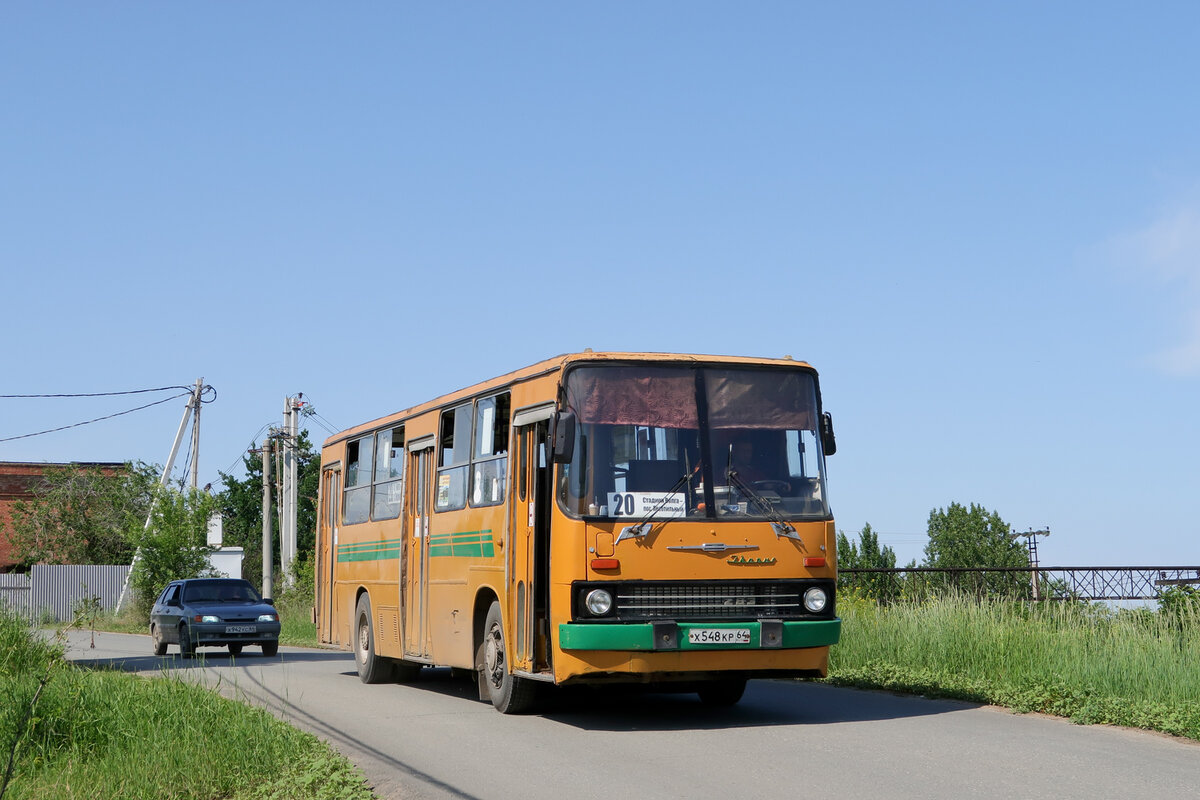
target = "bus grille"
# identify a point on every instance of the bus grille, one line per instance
(703, 601)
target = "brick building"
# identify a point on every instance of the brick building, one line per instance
(18, 481)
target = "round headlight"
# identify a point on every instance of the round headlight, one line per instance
(598, 602)
(815, 600)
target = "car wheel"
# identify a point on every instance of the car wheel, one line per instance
(372, 668)
(187, 648)
(724, 692)
(160, 647)
(270, 648)
(235, 649)
(509, 693)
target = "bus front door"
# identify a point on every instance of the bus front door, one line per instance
(529, 570)
(414, 557)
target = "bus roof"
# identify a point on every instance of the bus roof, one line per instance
(554, 364)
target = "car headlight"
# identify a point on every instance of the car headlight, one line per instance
(268, 618)
(210, 618)
(598, 602)
(815, 600)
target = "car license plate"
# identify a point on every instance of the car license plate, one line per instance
(240, 629)
(719, 636)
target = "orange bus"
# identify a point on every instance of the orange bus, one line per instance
(593, 518)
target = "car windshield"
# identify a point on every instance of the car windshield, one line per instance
(220, 591)
(712, 442)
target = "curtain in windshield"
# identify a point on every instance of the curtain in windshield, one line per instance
(639, 449)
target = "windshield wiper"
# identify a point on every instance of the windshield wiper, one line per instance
(642, 526)
(782, 527)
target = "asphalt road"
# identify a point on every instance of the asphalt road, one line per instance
(433, 739)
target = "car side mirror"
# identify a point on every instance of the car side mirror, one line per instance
(828, 440)
(269, 601)
(562, 436)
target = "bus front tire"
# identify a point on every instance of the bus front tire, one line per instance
(371, 667)
(508, 693)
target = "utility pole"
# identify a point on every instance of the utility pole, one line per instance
(289, 494)
(268, 555)
(193, 407)
(1031, 537)
(196, 432)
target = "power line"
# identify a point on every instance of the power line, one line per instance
(310, 411)
(251, 446)
(324, 423)
(98, 394)
(99, 419)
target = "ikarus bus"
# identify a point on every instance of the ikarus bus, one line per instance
(594, 518)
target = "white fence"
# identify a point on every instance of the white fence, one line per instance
(54, 592)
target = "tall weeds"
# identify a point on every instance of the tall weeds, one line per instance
(1088, 662)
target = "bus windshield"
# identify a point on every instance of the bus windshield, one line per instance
(687, 441)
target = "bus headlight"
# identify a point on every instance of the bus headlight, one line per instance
(815, 600)
(598, 602)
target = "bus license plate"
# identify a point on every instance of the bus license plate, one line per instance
(719, 636)
(240, 629)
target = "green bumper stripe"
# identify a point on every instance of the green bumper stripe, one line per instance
(640, 636)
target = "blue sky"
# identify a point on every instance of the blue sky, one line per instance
(980, 222)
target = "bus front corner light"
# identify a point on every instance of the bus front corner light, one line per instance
(815, 600)
(598, 602)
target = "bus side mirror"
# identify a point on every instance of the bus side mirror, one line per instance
(828, 440)
(562, 436)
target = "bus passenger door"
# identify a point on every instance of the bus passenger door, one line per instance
(529, 570)
(331, 495)
(414, 556)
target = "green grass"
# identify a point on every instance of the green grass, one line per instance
(1089, 663)
(295, 620)
(98, 733)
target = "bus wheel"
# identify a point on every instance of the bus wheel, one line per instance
(508, 693)
(371, 667)
(723, 692)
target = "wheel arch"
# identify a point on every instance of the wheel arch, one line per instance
(484, 598)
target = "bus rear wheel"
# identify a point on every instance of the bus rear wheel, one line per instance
(509, 694)
(372, 668)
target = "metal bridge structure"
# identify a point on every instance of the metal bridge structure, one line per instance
(1035, 583)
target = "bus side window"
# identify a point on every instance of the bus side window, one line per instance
(357, 504)
(454, 459)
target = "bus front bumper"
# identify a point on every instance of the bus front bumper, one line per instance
(660, 636)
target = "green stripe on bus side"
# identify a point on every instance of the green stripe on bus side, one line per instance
(370, 555)
(465, 544)
(346, 548)
(369, 551)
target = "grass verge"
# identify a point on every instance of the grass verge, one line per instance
(1089, 663)
(75, 733)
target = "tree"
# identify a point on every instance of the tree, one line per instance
(174, 545)
(867, 554)
(973, 537)
(240, 504)
(83, 515)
